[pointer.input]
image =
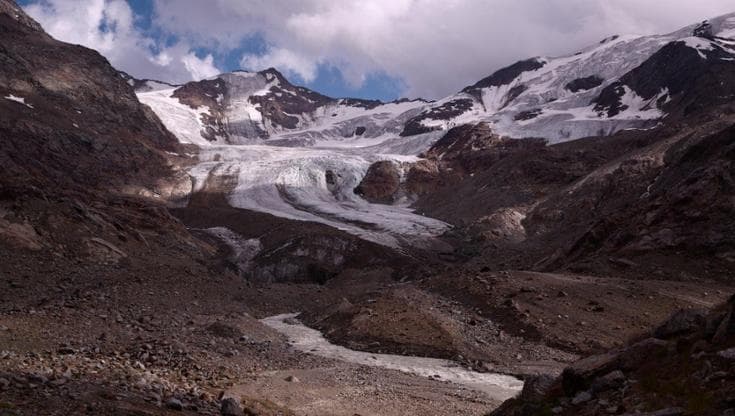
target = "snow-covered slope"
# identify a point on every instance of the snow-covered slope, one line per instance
(560, 98)
(254, 107)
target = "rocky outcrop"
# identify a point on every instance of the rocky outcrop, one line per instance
(425, 121)
(504, 76)
(583, 84)
(689, 371)
(382, 182)
(677, 78)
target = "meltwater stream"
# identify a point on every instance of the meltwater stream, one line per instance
(303, 338)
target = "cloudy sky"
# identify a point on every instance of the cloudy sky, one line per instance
(364, 48)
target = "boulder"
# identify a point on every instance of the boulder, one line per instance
(682, 322)
(609, 381)
(231, 407)
(381, 183)
(535, 388)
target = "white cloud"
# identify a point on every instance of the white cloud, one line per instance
(285, 60)
(200, 68)
(108, 27)
(435, 46)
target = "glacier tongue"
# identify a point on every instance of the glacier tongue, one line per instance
(290, 181)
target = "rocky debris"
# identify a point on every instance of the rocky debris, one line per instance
(613, 379)
(505, 224)
(223, 330)
(581, 397)
(679, 372)
(671, 411)
(535, 388)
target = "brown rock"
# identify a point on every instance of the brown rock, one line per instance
(381, 183)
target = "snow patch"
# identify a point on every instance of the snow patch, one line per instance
(19, 100)
(185, 122)
(701, 45)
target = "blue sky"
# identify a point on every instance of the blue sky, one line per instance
(375, 49)
(329, 79)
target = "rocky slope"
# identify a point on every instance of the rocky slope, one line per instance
(78, 147)
(684, 367)
(643, 202)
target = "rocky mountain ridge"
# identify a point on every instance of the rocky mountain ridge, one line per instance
(618, 84)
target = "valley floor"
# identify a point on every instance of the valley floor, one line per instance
(150, 339)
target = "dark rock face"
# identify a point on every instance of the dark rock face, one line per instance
(504, 76)
(528, 115)
(465, 150)
(687, 76)
(231, 407)
(584, 84)
(651, 208)
(445, 111)
(278, 107)
(82, 158)
(704, 30)
(142, 84)
(381, 183)
(209, 93)
(470, 148)
(681, 323)
(356, 102)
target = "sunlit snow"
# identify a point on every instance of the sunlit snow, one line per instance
(19, 100)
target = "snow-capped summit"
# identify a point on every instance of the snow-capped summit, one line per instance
(622, 82)
(619, 83)
(252, 107)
